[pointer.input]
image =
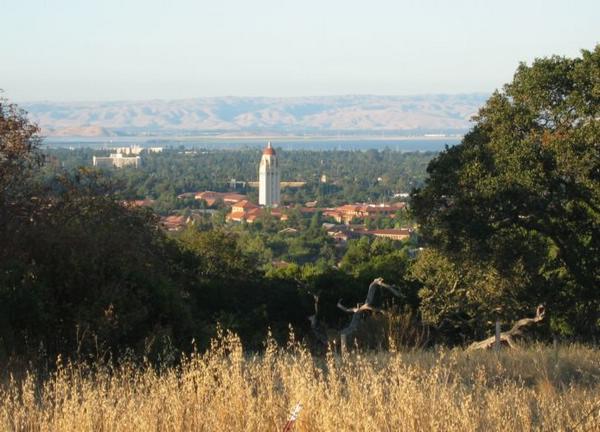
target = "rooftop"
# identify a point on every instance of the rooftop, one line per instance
(269, 150)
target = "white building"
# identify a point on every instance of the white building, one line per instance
(269, 178)
(137, 150)
(116, 160)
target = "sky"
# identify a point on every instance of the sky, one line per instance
(75, 50)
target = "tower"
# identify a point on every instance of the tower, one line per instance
(269, 189)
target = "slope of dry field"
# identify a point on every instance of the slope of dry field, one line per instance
(226, 390)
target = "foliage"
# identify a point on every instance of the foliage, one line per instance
(515, 208)
(20, 139)
(86, 274)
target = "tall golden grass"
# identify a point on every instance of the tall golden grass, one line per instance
(225, 389)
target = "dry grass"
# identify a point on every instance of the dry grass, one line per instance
(226, 390)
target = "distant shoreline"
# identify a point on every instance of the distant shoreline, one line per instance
(275, 138)
(286, 143)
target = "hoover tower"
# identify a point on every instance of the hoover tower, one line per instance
(269, 188)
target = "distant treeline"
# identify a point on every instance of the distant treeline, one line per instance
(332, 177)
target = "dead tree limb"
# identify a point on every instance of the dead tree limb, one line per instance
(359, 308)
(391, 288)
(318, 329)
(507, 336)
(358, 312)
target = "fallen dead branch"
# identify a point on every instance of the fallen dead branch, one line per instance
(506, 338)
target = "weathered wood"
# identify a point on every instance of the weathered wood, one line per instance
(359, 311)
(498, 333)
(318, 329)
(508, 336)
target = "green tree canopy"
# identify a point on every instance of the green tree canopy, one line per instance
(522, 191)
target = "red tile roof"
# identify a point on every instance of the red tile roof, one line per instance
(173, 222)
(245, 204)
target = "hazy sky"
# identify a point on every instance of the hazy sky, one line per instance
(134, 49)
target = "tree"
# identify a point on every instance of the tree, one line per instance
(79, 272)
(457, 296)
(19, 141)
(18, 145)
(522, 190)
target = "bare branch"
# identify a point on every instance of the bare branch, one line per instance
(373, 309)
(372, 289)
(507, 337)
(318, 330)
(391, 288)
(316, 299)
(347, 310)
(359, 308)
(453, 287)
(540, 312)
(367, 306)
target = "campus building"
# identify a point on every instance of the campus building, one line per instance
(116, 160)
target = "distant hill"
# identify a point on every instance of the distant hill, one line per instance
(256, 115)
(80, 131)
